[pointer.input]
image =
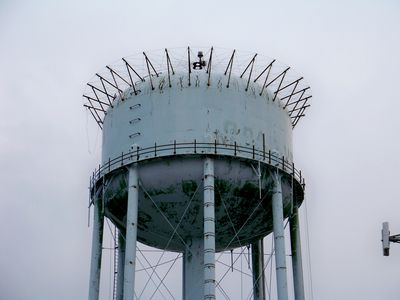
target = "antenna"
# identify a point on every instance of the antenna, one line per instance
(198, 65)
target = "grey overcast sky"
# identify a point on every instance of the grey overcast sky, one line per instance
(347, 145)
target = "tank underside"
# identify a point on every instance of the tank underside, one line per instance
(171, 193)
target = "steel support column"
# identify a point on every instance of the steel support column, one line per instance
(280, 255)
(297, 264)
(97, 245)
(131, 234)
(120, 266)
(193, 270)
(209, 230)
(257, 261)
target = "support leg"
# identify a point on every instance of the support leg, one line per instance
(257, 260)
(121, 263)
(296, 255)
(97, 245)
(193, 270)
(209, 230)
(280, 255)
(131, 234)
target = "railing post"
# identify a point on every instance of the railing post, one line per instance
(263, 146)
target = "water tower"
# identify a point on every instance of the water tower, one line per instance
(197, 159)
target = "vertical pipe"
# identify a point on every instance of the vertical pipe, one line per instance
(193, 269)
(280, 255)
(121, 263)
(257, 260)
(209, 230)
(131, 233)
(97, 245)
(297, 264)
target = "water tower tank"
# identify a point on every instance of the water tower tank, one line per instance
(196, 158)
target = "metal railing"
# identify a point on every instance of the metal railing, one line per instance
(186, 148)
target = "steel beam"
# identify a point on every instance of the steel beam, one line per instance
(297, 265)
(120, 266)
(131, 234)
(257, 261)
(97, 245)
(209, 230)
(280, 255)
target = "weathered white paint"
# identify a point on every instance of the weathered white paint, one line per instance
(131, 233)
(201, 112)
(297, 265)
(97, 247)
(206, 114)
(120, 266)
(193, 270)
(280, 254)
(209, 230)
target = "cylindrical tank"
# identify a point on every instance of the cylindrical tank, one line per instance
(169, 119)
(197, 112)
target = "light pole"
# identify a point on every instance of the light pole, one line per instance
(387, 238)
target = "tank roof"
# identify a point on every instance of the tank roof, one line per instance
(259, 75)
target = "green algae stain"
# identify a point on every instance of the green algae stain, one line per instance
(189, 187)
(223, 186)
(248, 191)
(167, 191)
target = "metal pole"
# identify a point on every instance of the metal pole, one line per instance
(280, 255)
(131, 233)
(296, 254)
(121, 263)
(257, 260)
(193, 269)
(209, 230)
(97, 245)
